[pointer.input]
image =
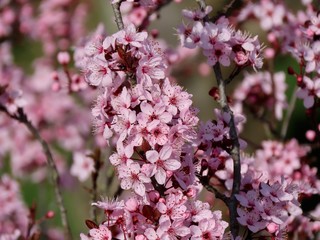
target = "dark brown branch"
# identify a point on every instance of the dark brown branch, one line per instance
(235, 151)
(22, 118)
(204, 182)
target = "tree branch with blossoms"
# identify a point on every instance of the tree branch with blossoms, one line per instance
(231, 202)
(21, 117)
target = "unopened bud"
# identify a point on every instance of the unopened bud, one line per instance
(299, 80)
(191, 192)
(50, 214)
(310, 135)
(291, 71)
(63, 58)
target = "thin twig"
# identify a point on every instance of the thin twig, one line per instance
(204, 182)
(22, 118)
(234, 73)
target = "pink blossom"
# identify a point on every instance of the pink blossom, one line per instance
(312, 58)
(309, 91)
(171, 208)
(276, 192)
(102, 233)
(162, 162)
(150, 69)
(82, 166)
(132, 177)
(251, 219)
(130, 36)
(219, 53)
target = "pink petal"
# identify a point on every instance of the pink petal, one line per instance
(152, 156)
(172, 164)
(126, 183)
(165, 152)
(139, 188)
(161, 176)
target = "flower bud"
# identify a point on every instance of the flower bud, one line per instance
(63, 58)
(50, 214)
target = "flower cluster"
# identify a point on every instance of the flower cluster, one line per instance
(15, 17)
(268, 207)
(137, 110)
(14, 214)
(174, 216)
(294, 33)
(214, 148)
(261, 91)
(219, 41)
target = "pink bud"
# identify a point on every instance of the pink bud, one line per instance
(272, 37)
(272, 227)
(50, 214)
(63, 58)
(310, 135)
(154, 196)
(55, 76)
(191, 192)
(55, 86)
(269, 53)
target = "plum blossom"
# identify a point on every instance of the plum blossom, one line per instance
(310, 90)
(251, 219)
(312, 58)
(102, 233)
(161, 162)
(131, 176)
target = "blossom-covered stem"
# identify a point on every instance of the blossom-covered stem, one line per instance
(287, 118)
(235, 151)
(22, 117)
(117, 14)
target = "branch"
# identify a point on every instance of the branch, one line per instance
(22, 118)
(235, 151)
(204, 182)
(117, 14)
